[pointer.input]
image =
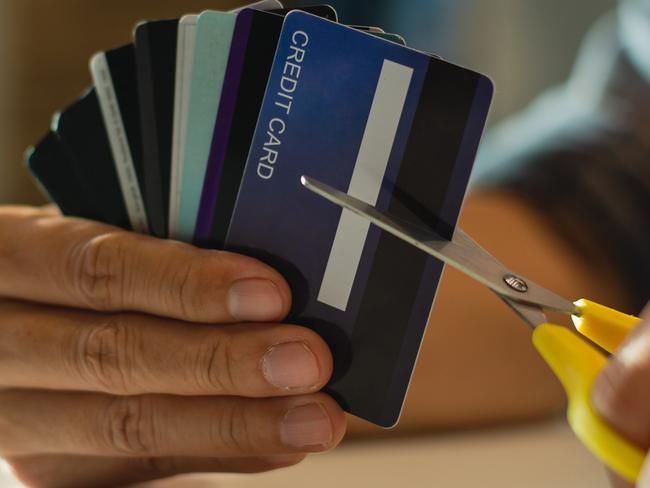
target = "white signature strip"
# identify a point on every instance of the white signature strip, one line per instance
(119, 143)
(368, 174)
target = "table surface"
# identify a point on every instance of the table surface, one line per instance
(537, 455)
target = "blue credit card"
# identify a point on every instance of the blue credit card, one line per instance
(392, 126)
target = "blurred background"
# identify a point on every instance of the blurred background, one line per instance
(523, 45)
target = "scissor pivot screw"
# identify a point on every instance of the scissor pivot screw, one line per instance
(516, 283)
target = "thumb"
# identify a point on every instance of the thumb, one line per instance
(644, 479)
(621, 393)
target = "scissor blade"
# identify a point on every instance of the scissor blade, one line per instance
(533, 315)
(461, 252)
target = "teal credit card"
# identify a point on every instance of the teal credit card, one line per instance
(213, 38)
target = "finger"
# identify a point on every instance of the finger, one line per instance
(615, 481)
(83, 471)
(157, 425)
(621, 393)
(129, 354)
(84, 264)
(51, 209)
(644, 477)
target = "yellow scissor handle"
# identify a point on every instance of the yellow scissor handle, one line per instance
(605, 326)
(577, 365)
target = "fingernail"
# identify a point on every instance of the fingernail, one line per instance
(254, 300)
(291, 365)
(307, 426)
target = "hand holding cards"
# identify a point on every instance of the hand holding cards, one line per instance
(299, 94)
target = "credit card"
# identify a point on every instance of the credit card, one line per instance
(82, 134)
(324, 11)
(155, 53)
(51, 167)
(114, 77)
(186, 43)
(392, 126)
(212, 47)
(251, 56)
(213, 38)
(389, 36)
(369, 28)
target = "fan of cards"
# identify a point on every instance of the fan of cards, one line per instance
(154, 119)
(200, 130)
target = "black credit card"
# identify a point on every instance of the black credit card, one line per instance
(49, 164)
(81, 130)
(115, 80)
(155, 54)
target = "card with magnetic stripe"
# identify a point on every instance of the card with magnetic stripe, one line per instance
(114, 77)
(392, 126)
(155, 53)
(49, 164)
(82, 133)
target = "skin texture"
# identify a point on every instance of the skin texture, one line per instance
(621, 394)
(154, 357)
(65, 277)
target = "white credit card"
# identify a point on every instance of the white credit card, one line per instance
(187, 28)
(104, 68)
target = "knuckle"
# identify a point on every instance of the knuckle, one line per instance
(184, 291)
(213, 367)
(194, 282)
(127, 426)
(190, 285)
(103, 354)
(231, 431)
(98, 271)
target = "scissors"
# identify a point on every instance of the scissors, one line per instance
(574, 361)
